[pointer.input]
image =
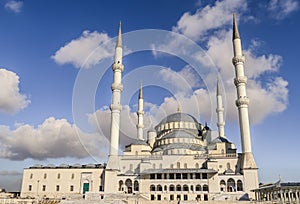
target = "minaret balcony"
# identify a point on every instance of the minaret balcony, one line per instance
(140, 113)
(118, 67)
(140, 126)
(220, 124)
(240, 80)
(242, 101)
(219, 109)
(117, 107)
(238, 60)
(117, 86)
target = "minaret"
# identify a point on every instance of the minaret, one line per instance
(140, 114)
(220, 111)
(117, 88)
(242, 101)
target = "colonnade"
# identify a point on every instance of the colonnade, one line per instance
(282, 194)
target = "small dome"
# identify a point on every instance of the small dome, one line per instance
(220, 140)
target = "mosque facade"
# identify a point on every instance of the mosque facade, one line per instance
(178, 160)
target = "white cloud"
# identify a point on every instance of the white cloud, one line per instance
(282, 8)
(54, 138)
(85, 51)
(263, 99)
(183, 81)
(11, 100)
(268, 92)
(196, 26)
(128, 120)
(15, 6)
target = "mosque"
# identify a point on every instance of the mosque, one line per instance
(177, 161)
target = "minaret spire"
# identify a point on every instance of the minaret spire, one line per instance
(236, 33)
(119, 40)
(117, 88)
(141, 91)
(140, 113)
(220, 111)
(242, 101)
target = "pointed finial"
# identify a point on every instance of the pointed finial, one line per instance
(219, 92)
(235, 29)
(119, 40)
(178, 108)
(141, 91)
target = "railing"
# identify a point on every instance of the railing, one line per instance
(206, 156)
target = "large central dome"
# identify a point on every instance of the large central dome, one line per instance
(179, 133)
(177, 117)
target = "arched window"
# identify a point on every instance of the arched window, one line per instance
(239, 185)
(172, 188)
(128, 184)
(171, 166)
(230, 185)
(45, 176)
(58, 176)
(120, 185)
(131, 167)
(205, 187)
(185, 165)
(159, 188)
(160, 166)
(222, 186)
(178, 165)
(72, 176)
(136, 186)
(197, 166)
(198, 188)
(178, 187)
(153, 166)
(31, 176)
(185, 188)
(152, 188)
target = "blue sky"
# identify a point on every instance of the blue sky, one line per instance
(55, 76)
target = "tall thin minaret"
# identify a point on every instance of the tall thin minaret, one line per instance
(117, 88)
(140, 113)
(220, 111)
(242, 101)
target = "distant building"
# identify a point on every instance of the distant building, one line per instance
(178, 161)
(278, 192)
(4, 194)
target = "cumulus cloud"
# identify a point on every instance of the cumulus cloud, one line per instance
(268, 92)
(211, 17)
(183, 81)
(15, 6)
(128, 120)
(11, 100)
(280, 9)
(54, 138)
(85, 51)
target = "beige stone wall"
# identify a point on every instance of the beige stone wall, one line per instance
(44, 182)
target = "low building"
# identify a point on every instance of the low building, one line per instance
(64, 181)
(278, 192)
